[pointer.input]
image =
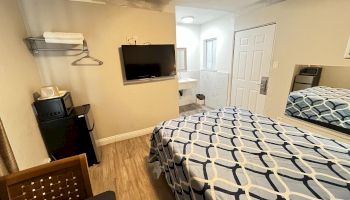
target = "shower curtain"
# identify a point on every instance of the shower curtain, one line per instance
(7, 160)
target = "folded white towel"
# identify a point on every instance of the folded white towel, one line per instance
(63, 38)
(63, 41)
(61, 35)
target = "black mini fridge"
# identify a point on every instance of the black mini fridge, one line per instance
(71, 135)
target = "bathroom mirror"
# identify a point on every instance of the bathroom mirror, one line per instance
(321, 95)
(181, 59)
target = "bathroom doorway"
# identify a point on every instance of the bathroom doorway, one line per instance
(204, 42)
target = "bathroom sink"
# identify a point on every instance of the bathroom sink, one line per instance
(187, 91)
(188, 83)
(187, 80)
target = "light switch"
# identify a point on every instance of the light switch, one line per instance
(275, 64)
(347, 51)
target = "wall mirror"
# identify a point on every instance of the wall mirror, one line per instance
(181, 59)
(321, 95)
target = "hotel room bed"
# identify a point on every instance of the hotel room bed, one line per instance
(231, 153)
(325, 105)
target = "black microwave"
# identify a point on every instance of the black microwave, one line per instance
(53, 108)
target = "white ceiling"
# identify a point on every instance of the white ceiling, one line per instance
(223, 5)
(207, 10)
(200, 15)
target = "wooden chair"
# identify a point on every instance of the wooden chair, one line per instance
(63, 179)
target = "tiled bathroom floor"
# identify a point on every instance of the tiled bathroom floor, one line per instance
(192, 109)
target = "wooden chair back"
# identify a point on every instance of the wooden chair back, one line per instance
(63, 179)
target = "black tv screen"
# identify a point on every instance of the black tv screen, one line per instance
(148, 61)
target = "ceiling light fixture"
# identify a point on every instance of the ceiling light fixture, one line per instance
(187, 20)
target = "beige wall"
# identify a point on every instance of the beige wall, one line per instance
(308, 32)
(117, 108)
(331, 76)
(336, 77)
(19, 78)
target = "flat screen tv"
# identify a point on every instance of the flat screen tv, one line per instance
(148, 61)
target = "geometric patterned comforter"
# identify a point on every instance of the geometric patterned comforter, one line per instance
(323, 104)
(231, 153)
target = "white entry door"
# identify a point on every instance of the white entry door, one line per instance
(251, 66)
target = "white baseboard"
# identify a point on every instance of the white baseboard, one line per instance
(46, 160)
(124, 136)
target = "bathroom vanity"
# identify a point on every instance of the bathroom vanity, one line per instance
(187, 91)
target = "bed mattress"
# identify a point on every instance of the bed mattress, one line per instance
(231, 153)
(321, 104)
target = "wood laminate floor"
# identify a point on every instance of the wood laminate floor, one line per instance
(125, 170)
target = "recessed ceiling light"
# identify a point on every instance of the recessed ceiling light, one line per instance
(187, 20)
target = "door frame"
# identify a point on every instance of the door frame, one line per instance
(233, 57)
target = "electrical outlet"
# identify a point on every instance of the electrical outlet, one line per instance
(347, 51)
